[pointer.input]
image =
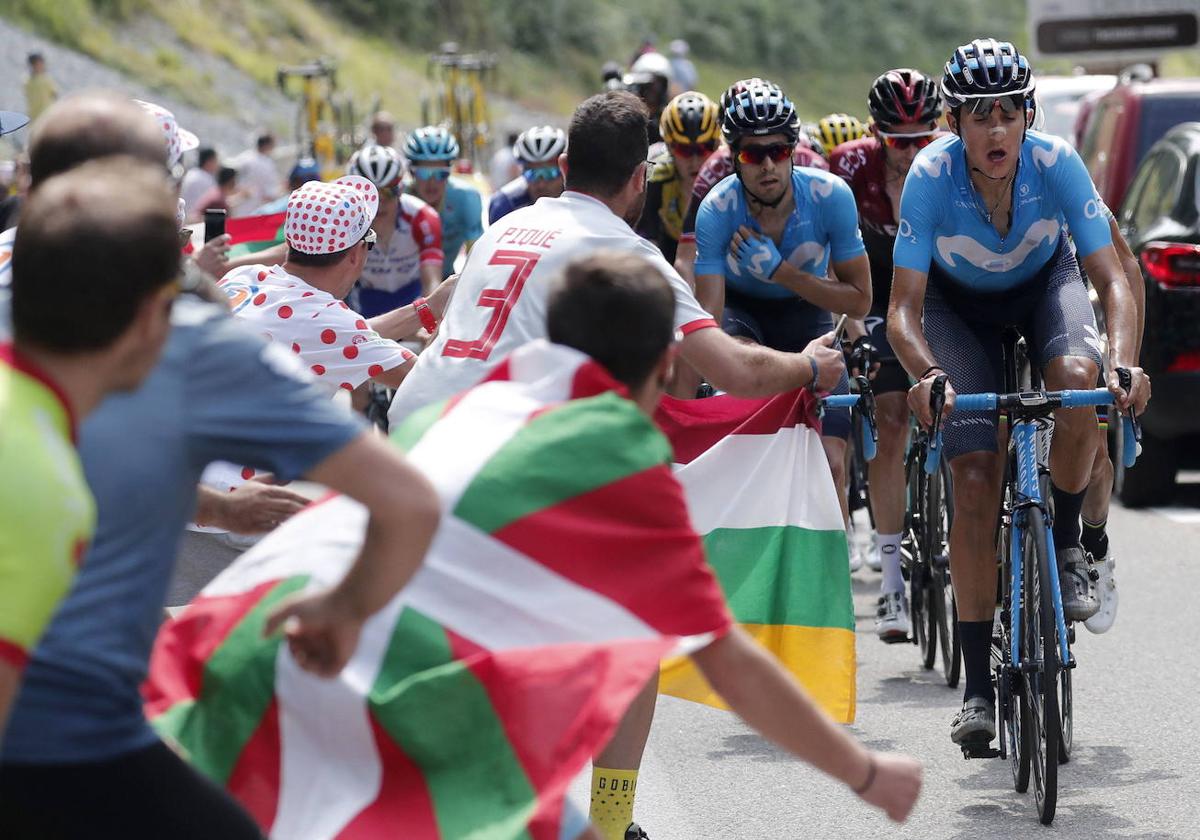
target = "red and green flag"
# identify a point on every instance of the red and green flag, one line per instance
(250, 234)
(564, 569)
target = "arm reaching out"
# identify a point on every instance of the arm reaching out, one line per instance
(323, 628)
(769, 700)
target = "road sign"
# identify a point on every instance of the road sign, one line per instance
(1112, 30)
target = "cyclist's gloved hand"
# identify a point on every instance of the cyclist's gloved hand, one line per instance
(918, 399)
(758, 257)
(862, 356)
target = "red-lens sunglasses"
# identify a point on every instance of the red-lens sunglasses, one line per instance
(755, 155)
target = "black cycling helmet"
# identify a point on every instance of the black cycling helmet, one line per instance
(760, 108)
(904, 96)
(985, 68)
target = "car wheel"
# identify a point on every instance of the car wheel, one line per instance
(1151, 481)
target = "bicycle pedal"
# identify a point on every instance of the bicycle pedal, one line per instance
(970, 751)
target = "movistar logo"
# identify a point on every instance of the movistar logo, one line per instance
(932, 165)
(1046, 158)
(807, 255)
(982, 257)
(725, 201)
(820, 189)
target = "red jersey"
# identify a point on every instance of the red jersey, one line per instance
(861, 163)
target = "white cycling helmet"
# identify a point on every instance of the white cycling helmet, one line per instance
(383, 166)
(651, 64)
(540, 144)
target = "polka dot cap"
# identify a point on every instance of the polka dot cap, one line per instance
(178, 140)
(324, 218)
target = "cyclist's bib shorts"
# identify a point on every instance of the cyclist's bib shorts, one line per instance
(965, 332)
(890, 378)
(788, 325)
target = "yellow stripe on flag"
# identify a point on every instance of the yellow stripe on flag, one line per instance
(821, 658)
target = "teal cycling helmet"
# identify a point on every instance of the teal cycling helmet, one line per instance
(431, 143)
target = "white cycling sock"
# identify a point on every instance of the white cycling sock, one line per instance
(889, 555)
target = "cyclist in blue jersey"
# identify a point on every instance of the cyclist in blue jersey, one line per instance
(537, 151)
(981, 246)
(766, 237)
(431, 152)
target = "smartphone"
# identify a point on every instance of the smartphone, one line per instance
(214, 224)
(839, 330)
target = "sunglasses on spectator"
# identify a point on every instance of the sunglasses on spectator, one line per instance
(689, 150)
(1009, 104)
(426, 173)
(369, 238)
(543, 173)
(904, 141)
(755, 155)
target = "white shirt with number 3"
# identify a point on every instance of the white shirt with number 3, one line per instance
(500, 301)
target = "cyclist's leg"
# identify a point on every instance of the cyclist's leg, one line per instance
(1065, 342)
(886, 472)
(970, 354)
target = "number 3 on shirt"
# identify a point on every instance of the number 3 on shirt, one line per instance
(500, 301)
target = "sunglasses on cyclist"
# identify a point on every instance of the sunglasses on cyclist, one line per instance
(1009, 104)
(690, 150)
(426, 173)
(543, 173)
(369, 238)
(901, 142)
(755, 155)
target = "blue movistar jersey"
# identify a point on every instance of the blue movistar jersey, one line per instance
(512, 196)
(823, 227)
(942, 217)
(462, 221)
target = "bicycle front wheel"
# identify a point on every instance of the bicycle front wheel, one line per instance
(1042, 660)
(939, 506)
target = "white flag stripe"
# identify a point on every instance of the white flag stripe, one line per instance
(487, 592)
(330, 769)
(731, 485)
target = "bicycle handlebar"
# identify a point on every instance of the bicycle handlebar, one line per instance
(1042, 400)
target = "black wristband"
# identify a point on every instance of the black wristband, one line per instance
(816, 372)
(866, 786)
(930, 370)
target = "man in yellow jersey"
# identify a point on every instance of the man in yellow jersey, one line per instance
(95, 264)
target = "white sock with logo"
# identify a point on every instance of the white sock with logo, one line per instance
(889, 554)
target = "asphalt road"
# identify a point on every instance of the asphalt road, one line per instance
(1135, 771)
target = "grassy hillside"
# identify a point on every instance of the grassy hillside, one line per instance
(824, 53)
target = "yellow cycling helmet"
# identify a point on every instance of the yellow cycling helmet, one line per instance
(835, 129)
(690, 118)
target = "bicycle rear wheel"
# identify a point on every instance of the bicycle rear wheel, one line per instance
(1041, 677)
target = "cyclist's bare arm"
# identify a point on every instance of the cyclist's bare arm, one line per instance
(1133, 273)
(847, 290)
(431, 277)
(749, 370)
(769, 700)
(710, 293)
(1120, 316)
(908, 342)
(685, 262)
